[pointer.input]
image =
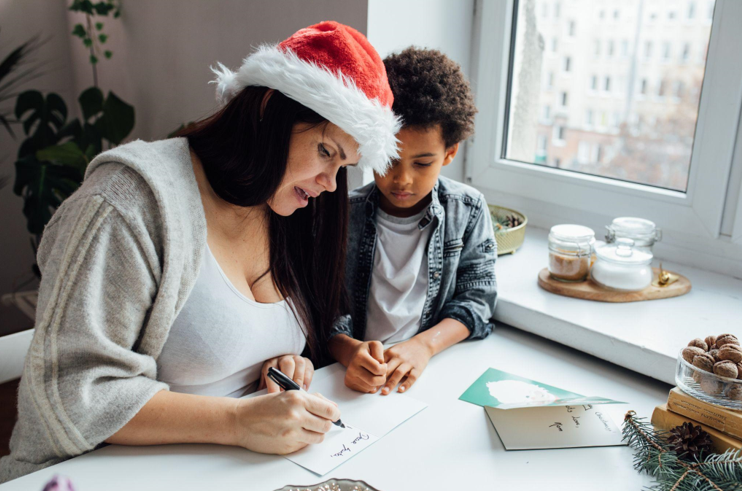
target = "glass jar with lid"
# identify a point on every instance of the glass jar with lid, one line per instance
(570, 251)
(643, 232)
(622, 266)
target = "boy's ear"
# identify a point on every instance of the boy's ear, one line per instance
(450, 154)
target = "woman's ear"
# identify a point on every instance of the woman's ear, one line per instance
(264, 103)
(450, 154)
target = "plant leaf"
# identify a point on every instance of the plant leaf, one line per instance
(102, 38)
(67, 154)
(43, 186)
(117, 120)
(87, 42)
(42, 118)
(91, 102)
(93, 59)
(107, 54)
(79, 31)
(99, 25)
(102, 8)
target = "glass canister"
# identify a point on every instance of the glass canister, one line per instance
(570, 250)
(622, 266)
(643, 232)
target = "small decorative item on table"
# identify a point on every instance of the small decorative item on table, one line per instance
(710, 371)
(332, 485)
(510, 229)
(570, 252)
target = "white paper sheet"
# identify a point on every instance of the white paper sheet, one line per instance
(555, 427)
(368, 417)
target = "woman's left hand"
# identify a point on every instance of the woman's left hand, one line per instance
(405, 363)
(297, 368)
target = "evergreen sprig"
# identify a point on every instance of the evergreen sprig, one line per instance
(653, 455)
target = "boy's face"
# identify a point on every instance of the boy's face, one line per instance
(406, 186)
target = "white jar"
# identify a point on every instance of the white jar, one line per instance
(643, 232)
(621, 266)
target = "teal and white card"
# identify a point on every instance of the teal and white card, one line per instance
(503, 390)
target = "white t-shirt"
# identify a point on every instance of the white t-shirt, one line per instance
(399, 281)
(220, 339)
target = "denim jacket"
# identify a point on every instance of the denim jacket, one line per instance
(461, 259)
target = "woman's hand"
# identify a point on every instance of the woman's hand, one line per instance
(366, 370)
(405, 363)
(297, 368)
(284, 422)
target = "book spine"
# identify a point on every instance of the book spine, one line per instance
(707, 414)
(662, 419)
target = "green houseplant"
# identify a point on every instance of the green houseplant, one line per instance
(52, 159)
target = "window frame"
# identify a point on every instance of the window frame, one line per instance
(691, 220)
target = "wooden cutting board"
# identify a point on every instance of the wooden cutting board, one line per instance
(588, 290)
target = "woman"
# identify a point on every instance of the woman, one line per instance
(185, 264)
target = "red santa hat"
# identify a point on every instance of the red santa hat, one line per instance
(332, 69)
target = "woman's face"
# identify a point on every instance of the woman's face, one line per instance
(315, 156)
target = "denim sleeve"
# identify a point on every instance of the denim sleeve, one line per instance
(473, 302)
(342, 325)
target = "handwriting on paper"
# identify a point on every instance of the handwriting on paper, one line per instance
(558, 426)
(606, 424)
(360, 438)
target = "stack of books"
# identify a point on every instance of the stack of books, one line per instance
(723, 425)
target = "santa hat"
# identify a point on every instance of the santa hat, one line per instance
(333, 70)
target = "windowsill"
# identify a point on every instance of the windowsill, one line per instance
(641, 336)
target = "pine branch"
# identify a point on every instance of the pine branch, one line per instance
(716, 472)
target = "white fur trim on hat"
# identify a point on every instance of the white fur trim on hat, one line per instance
(331, 95)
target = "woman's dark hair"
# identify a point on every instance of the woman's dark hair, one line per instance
(244, 158)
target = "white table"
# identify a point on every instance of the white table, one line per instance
(449, 445)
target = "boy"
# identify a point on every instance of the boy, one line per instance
(421, 251)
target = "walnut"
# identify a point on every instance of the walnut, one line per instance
(726, 368)
(704, 361)
(724, 339)
(711, 386)
(699, 343)
(690, 352)
(735, 393)
(731, 352)
(710, 341)
(715, 353)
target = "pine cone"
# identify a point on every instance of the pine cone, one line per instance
(512, 221)
(689, 441)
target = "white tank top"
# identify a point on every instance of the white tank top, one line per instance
(220, 339)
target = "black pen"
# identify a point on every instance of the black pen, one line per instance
(286, 383)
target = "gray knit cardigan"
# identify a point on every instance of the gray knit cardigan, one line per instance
(118, 260)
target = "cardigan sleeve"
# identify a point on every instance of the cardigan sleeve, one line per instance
(83, 378)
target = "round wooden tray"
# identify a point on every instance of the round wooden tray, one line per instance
(589, 290)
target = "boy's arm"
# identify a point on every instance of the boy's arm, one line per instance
(473, 302)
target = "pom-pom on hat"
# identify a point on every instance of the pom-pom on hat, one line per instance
(333, 70)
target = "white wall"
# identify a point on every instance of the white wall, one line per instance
(445, 25)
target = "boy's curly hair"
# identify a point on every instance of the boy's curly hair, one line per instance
(429, 89)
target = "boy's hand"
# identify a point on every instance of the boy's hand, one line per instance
(405, 363)
(367, 369)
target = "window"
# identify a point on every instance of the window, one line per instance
(567, 63)
(571, 28)
(594, 82)
(610, 48)
(607, 84)
(686, 53)
(546, 113)
(664, 159)
(615, 15)
(583, 152)
(553, 45)
(557, 10)
(601, 14)
(596, 48)
(550, 80)
(625, 48)
(666, 47)
(691, 10)
(671, 15)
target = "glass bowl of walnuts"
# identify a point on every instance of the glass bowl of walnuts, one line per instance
(711, 370)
